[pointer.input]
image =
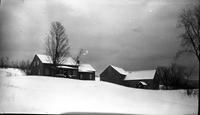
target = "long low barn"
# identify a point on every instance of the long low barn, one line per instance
(148, 79)
(140, 79)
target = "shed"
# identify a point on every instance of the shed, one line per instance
(86, 72)
(113, 74)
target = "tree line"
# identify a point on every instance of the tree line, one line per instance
(24, 65)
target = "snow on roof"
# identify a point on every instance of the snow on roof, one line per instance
(67, 67)
(69, 61)
(47, 59)
(137, 75)
(120, 70)
(143, 83)
(85, 68)
(44, 58)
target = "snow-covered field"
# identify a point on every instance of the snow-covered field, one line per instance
(39, 94)
(11, 72)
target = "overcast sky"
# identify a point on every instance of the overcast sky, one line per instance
(132, 34)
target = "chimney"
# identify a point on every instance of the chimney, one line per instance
(78, 62)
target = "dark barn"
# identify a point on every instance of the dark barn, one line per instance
(86, 72)
(42, 65)
(140, 79)
(113, 74)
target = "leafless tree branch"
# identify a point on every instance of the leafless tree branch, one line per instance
(189, 20)
(57, 44)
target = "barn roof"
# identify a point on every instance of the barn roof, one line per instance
(44, 58)
(85, 68)
(47, 59)
(120, 70)
(139, 75)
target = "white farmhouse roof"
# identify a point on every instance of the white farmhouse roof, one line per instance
(47, 59)
(44, 58)
(120, 70)
(85, 68)
(139, 75)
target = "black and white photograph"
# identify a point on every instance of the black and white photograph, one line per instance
(99, 57)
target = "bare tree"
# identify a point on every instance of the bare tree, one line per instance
(24, 65)
(189, 21)
(188, 74)
(176, 73)
(171, 76)
(57, 44)
(4, 62)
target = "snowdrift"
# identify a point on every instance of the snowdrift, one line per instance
(40, 94)
(11, 72)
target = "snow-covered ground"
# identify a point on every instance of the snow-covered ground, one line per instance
(39, 94)
(11, 72)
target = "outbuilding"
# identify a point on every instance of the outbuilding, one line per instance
(140, 79)
(86, 72)
(113, 74)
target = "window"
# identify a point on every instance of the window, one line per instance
(34, 63)
(69, 73)
(60, 71)
(38, 71)
(81, 76)
(38, 63)
(90, 76)
(74, 72)
(46, 71)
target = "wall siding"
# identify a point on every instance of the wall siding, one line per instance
(86, 75)
(134, 83)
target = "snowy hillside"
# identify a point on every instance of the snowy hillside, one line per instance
(11, 72)
(39, 94)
